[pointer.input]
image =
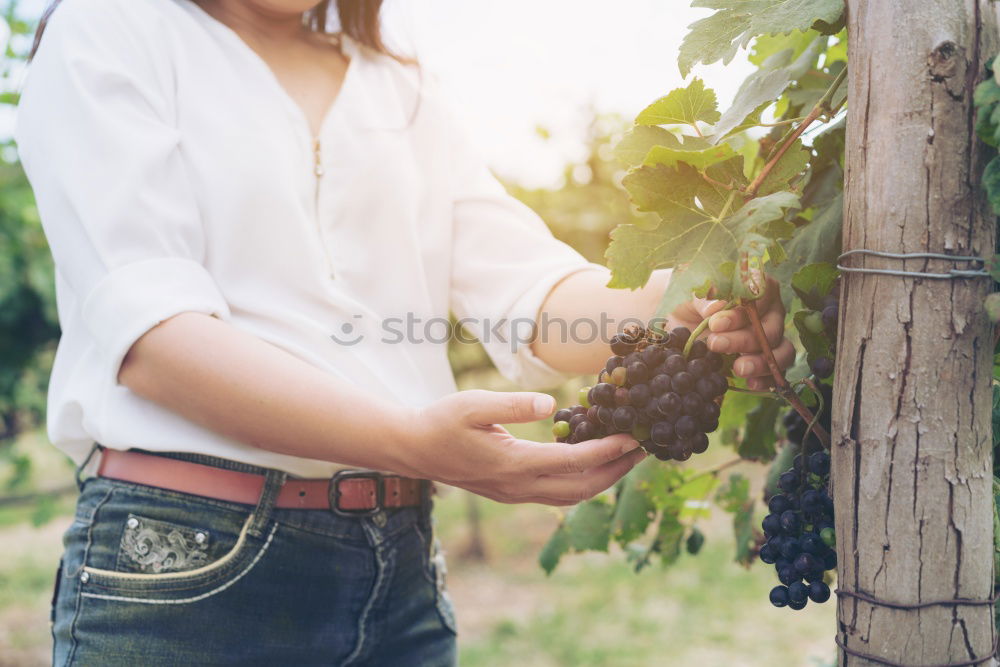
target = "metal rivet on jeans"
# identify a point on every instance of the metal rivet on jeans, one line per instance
(84, 577)
(132, 523)
(200, 538)
(379, 519)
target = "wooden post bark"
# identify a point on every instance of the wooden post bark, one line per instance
(912, 459)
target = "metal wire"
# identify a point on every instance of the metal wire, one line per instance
(951, 274)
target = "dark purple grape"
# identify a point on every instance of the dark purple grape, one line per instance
(578, 410)
(669, 405)
(621, 346)
(576, 420)
(699, 443)
(674, 364)
(705, 388)
(779, 504)
(624, 418)
(604, 415)
(683, 454)
(721, 383)
(811, 501)
(682, 382)
(660, 384)
(767, 554)
(790, 521)
(653, 356)
(709, 425)
(685, 426)
(680, 336)
(698, 368)
(638, 373)
(562, 415)
(585, 431)
(830, 318)
(812, 544)
(822, 367)
(788, 576)
(797, 463)
(711, 411)
(613, 363)
(790, 548)
(692, 404)
(819, 592)
(819, 463)
(771, 525)
(788, 481)
(651, 412)
(604, 394)
(639, 395)
(662, 433)
(779, 596)
(715, 360)
(698, 350)
(797, 606)
(806, 563)
(830, 560)
(815, 575)
(662, 453)
(621, 396)
(592, 414)
(797, 592)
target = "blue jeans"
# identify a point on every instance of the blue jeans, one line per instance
(157, 577)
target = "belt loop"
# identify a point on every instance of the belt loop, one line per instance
(273, 481)
(79, 469)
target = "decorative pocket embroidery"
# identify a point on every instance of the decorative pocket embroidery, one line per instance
(152, 547)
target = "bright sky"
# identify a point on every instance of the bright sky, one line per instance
(514, 65)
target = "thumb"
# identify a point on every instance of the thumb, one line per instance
(500, 407)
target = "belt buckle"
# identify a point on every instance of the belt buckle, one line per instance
(334, 493)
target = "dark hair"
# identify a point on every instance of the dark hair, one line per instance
(359, 20)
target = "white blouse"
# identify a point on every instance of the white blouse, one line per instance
(174, 173)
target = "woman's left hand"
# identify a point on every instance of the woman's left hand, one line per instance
(730, 332)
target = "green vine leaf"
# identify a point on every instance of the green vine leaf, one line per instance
(816, 241)
(792, 163)
(682, 106)
(734, 497)
(758, 439)
(553, 551)
(767, 84)
(991, 183)
(736, 22)
(588, 525)
(699, 159)
(635, 145)
(813, 282)
(635, 510)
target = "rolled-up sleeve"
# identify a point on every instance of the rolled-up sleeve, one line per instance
(505, 262)
(97, 137)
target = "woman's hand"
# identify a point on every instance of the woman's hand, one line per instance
(457, 440)
(730, 332)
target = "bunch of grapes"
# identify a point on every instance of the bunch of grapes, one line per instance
(796, 426)
(668, 400)
(824, 321)
(800, 534)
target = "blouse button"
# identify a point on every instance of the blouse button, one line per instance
(200, 538)
(132, 523)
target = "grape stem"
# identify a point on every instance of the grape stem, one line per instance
(698, 330)
(781, 386)
(762, 394)
(817, 111)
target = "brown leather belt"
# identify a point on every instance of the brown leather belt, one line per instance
(351, 492)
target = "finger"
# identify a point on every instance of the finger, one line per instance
(744, 339)
(582, 486)
(728, 320)
(503, 407)
(560, 458)
(753, 365)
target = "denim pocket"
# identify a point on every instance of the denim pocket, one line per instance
(168, 548)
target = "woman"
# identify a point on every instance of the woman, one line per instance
(250, 218)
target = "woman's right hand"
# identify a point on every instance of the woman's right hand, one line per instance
(458, 440)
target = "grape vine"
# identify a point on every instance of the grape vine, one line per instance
(739, 197)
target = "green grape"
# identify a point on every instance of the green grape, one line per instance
(828, 536)
(584, 397)
(560, 429)
(640, 432)
(814, 322)
(618, 376)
